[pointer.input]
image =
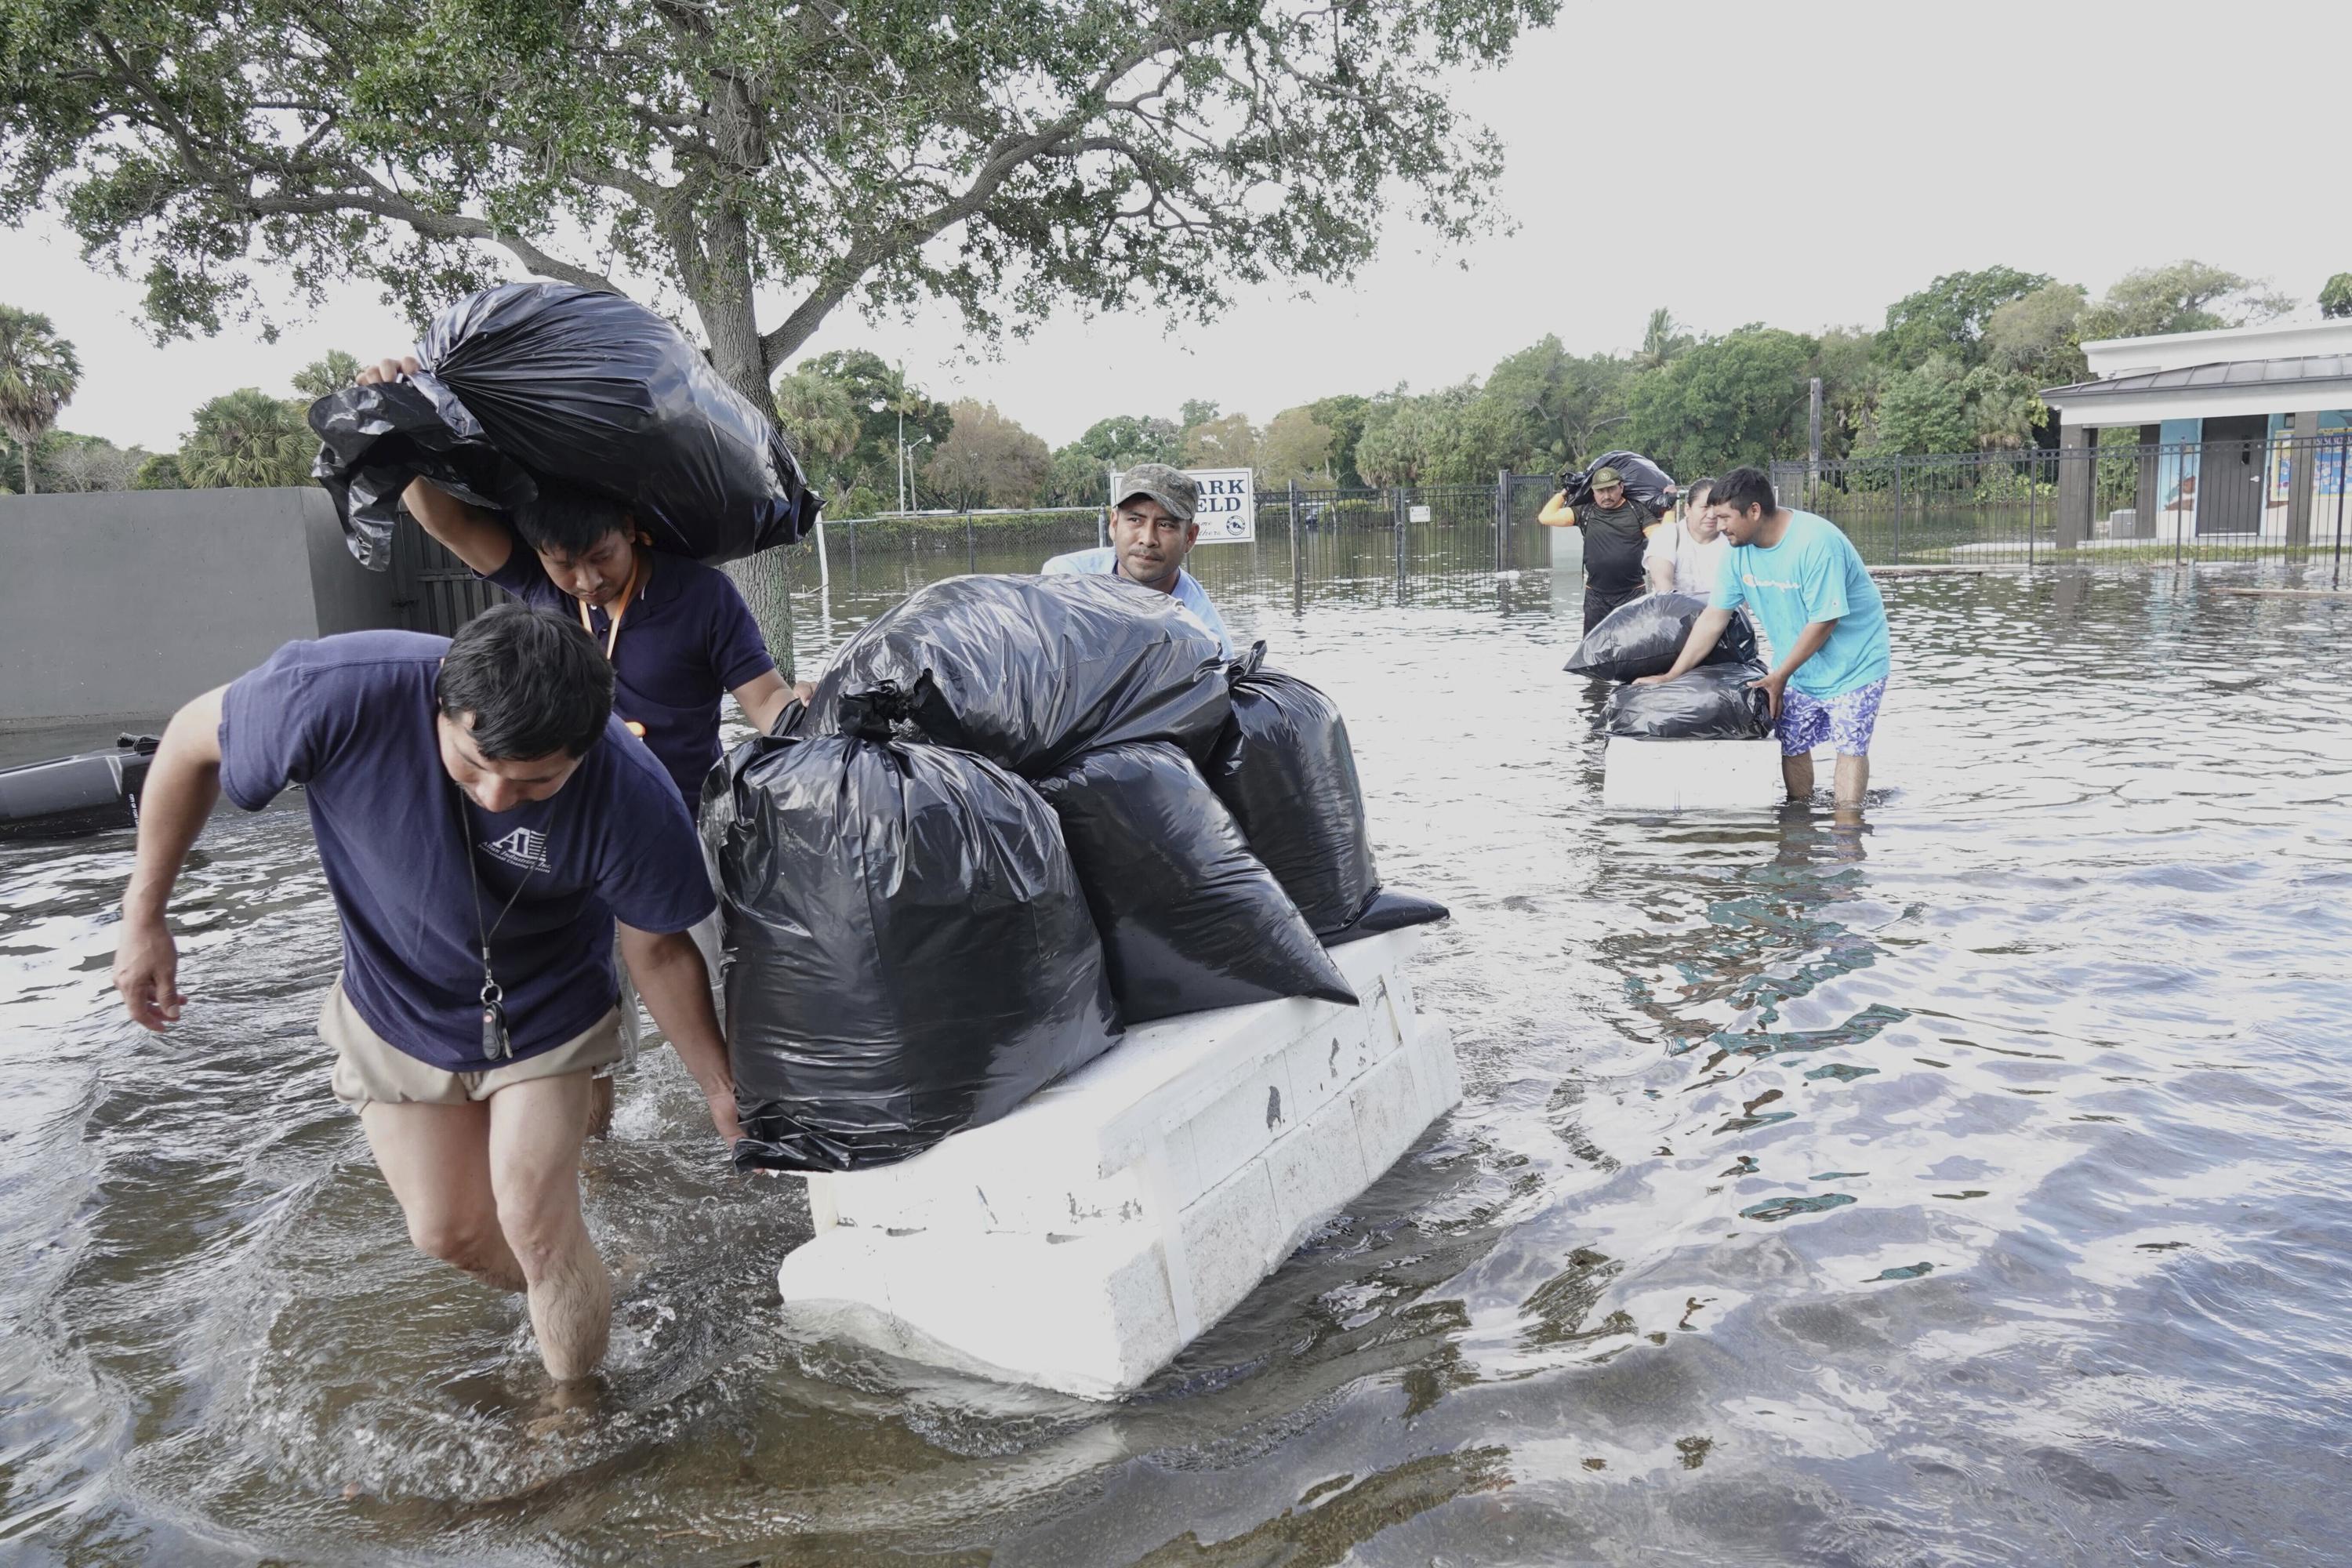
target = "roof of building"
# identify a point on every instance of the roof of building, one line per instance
(2301, 370)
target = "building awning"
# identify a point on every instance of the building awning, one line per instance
(2243, 385)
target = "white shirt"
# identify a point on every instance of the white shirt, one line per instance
(1695, 565)
(1188, 592)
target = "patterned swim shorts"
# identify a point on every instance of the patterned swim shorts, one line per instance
(1847, 718)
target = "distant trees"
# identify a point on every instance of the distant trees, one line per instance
(38, 374)
(987, 460)
(247, 439)
(2336, 297)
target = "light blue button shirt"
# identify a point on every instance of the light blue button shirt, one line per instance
(1188, 591)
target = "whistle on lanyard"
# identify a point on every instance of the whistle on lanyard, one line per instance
(634, 728)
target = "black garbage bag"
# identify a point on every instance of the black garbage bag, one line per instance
(1389, 910)
(1284, 770)
(1646, 636)
(1190, 919)
(592, 389)
(1712, 702)
(1029, 671)
(908, 949)
(1644, 480)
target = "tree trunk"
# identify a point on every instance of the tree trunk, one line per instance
(722, 299)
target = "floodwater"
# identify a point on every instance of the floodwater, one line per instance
(1970, 1189)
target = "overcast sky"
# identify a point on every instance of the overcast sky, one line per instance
(1796, 165)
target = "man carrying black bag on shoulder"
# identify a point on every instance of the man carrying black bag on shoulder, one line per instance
(1616, 530)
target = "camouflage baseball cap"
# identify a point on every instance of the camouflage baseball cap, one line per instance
(1603, 478)
(1171, 487)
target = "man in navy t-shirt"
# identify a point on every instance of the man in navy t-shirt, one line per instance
(482, 820)
(677, 633)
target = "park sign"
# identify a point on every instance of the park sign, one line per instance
(1228, 510)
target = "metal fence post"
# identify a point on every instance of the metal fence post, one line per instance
(1399, 514)
(2032, 490)
(1502, 519)
(971, 544)
(2343, 483)
(1898, 511)
(1297, 599)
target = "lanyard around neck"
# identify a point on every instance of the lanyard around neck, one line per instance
(639, 571)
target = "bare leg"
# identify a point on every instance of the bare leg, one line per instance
(1853, 784)
(437, 1160)
(1797, 772)
(600, 1106)
(536, 1127)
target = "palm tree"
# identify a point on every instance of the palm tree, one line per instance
(332, 373)
(247, 439)
(38, 374)
(1662, 341)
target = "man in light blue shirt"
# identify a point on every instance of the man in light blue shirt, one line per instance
(1805, 581)
(1151, 531)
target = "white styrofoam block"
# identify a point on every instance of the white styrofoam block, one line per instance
(1639, 774)
(1083, 1240)
(1232, 1236)
(1090, 1316)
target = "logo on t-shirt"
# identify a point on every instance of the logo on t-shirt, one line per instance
(524, 848)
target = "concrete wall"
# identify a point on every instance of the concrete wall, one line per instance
(131, 602)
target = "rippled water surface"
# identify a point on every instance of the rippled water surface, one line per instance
(1969, 1189)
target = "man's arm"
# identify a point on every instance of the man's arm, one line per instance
(1556, 512)
(764, 697)
(471, 534)
(182, 783)
(669, 976)
(1703, 635)
(1658, 558)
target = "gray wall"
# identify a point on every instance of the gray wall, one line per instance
(131, 602)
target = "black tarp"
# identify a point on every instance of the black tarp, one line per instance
(1646, 636)
(1712, 702)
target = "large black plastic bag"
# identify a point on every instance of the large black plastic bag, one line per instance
(1283, 768)
(908, 951)
(1646, 636)
(1029, 671)
(1644, 480)
(1712, 702)
(588, 388)
(1190, 919)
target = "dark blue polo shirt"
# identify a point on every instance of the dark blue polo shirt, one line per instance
(351, 720)
(686, 641)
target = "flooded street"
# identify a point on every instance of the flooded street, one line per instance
(1970, 1189)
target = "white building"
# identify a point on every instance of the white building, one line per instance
(2242, 432)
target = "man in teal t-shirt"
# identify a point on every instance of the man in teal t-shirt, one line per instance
(1806, 583)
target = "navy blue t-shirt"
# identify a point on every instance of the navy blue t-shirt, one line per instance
(350, 718)
(686, 641)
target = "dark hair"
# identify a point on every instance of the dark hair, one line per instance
(1695, 489)
(1744, 487)
(570, 519)
(534, 681)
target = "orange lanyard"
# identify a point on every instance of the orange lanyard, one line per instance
(638, 573)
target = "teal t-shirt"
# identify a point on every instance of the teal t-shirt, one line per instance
(1815, 574)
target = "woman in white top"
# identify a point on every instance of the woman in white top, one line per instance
(1684, 551)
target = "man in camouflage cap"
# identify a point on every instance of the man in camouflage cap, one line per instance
(1151, 531)
(1616, 529)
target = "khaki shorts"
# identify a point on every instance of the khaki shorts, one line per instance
(370, 1071)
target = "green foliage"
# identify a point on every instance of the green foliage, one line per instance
(2185, 297)
(986, 460)
(1344, 415)
(247, 439)
(320, 377)
(1124, 440)
(1948, 317)
(823, 425)
(1737, 399)
(38, 373)
(1226, 442)
(1662, 341)
(882, 402)
(1295, 446)
(2040, 336)
(159, 473)
(1009, 160)
(2336, 297)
